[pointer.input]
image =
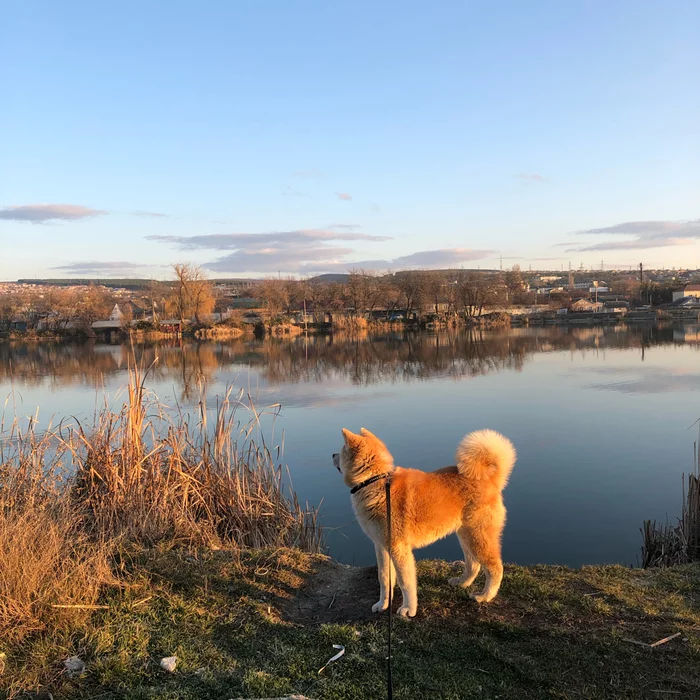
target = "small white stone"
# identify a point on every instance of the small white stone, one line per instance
(169, 663)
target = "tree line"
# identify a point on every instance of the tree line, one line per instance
(427, 291)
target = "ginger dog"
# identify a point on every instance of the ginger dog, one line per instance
(426, 506)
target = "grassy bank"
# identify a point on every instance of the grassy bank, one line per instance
(262, 623)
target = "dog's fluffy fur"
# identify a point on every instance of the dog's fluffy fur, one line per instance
(425, 507)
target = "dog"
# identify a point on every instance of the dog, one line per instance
(426, 506)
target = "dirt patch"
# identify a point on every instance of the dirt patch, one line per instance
(335, 593)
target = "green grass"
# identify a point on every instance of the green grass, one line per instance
(261, 624)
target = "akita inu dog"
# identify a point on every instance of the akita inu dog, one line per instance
(426, 506)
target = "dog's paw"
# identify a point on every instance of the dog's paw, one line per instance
(380, 606)
(405, 611)
(481, 598)
(457, 581)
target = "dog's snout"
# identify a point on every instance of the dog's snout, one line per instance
(335, 455)
(336, 461)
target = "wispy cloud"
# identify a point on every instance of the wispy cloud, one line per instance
(149, 213)
(310, 250)
(302, 262)
(93, 267)
(533, 177)
(41, 213)
(344, 196)
(647, 234)
(260, 241)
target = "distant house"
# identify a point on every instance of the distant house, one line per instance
(115, 320)
(117, 314)
(690, 290)
(616, 306)
(585, 305)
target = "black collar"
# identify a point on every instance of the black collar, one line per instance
(369, 481)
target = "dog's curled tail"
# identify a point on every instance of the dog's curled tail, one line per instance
(486, 454)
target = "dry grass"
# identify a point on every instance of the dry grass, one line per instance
(46, 559)
(349, 323)
(668, 545)
(71, 496)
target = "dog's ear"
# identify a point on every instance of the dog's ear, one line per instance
(366, 433)
(351, 440)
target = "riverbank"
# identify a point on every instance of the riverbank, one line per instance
(262, 623)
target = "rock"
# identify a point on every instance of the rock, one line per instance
(169, 663)
(74, 665)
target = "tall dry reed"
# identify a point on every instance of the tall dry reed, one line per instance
(139, 476)
(666, 544)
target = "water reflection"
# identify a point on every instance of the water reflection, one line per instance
(361, 361)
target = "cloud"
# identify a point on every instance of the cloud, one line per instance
(321, 260)
(309, 250)
(647, 234)
(273, 239)
(41, 213)
(91, 267)
(373, 206)
(275, 250)
(533, 177)
(148, 213)
(344, 196)
(546, 258)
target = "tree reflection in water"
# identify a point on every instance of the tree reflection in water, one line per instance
(360, 359)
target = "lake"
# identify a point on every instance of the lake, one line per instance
(600, 417)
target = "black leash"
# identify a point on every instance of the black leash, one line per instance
(390, 683)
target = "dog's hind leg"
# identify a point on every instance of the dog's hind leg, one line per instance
(384, 566)
(471, 565)
(405, 564)
(486, 547)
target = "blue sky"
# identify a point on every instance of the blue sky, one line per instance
(255, 137)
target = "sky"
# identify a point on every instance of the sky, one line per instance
(266, 137)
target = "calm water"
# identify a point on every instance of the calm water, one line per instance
(599, 417)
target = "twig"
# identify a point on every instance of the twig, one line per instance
(655, 644)
(665, 639)
(670, 692)
(634, 641)
(330, 605)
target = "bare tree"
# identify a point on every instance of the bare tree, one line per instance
(194, 294)
(411, 286)
(513, 281)
(435, 284)
(474, 291)
(274, 293)
(92, 305)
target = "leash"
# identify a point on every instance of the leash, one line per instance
(390, 683)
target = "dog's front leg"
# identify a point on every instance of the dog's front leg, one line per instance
(384, 566)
